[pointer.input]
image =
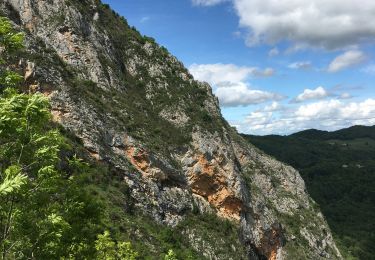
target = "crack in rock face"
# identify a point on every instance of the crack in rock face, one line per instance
(272, 241)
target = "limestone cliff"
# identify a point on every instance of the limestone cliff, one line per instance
(135, 107)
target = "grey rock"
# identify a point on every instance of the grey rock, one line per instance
(216, 172)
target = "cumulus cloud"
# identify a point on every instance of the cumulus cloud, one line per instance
(328, 115)
(230, 83)
(318, 23)
(216, 73)
(208, 2)
(300, 65)
(309, 94)
(274, 106)
(346, 60)
(239, 94)
(337, 110)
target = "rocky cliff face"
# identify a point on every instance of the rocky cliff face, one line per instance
(136, 108)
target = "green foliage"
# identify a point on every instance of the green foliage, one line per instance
(11, 42)
(10, 79)
(105, 247)
(170, 255)
(13, 180)
(10, 39)
(338, 169)
(350, 133)
(222, 235)
(110, 250)
(39, 200)
(126, 252)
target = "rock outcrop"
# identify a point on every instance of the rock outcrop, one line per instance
(136, 108)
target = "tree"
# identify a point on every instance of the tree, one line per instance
(28, 155)
(28, 158)
(44, 213)
(109, 250)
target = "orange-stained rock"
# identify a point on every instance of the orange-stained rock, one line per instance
(94, 155)
(139, 158)
(273, 255)
(271, 241)
(211, 184)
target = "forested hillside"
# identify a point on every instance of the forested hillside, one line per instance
(339, 171)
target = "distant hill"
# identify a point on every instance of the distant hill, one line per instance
(343, 134)
(339, 171)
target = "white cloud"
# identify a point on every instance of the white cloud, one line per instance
(337, 110)
(327, 115)
(208, 2)
(239, 94)
(230, 83)
(259, 120)
(309, 94)
(323, 109)
(345, 96)
(274, 106)
(317, 23)
(273, 52)
(300, 65)
(346, 60)
(216, 73)
(267, 72)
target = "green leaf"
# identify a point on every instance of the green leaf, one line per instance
(10, 79)
(13, 180)
(171, 255)
(125, 251)
(105, 246)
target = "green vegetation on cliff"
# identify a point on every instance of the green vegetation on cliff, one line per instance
(54, 205)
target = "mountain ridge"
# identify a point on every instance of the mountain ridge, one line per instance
(355, 131)
(137, 110)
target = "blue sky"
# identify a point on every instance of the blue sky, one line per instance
(277, 66)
